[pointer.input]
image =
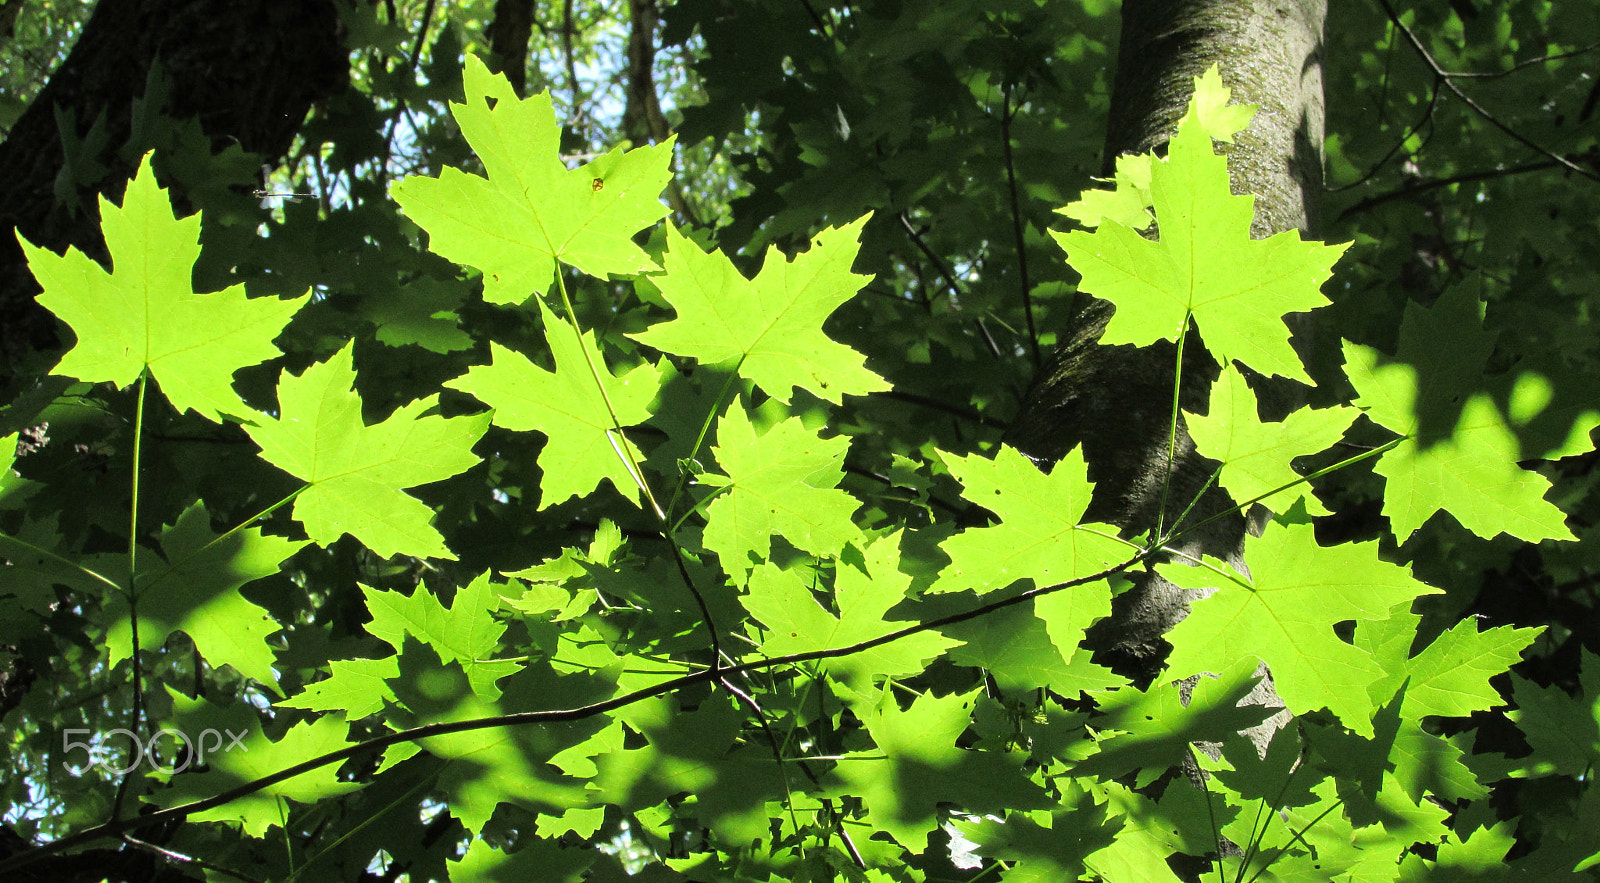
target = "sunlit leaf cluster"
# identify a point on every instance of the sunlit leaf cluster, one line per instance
(568, 539)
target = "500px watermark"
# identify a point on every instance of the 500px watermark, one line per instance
(189, 752)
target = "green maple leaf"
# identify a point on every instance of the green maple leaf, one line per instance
(796, 622)
(1041, 537)
(8, 456)
(1044, 846)
(354, 472)
(356, 688)
(489, 766)
(769, 327)
(423, 312)
(1040, 534)
(1143, 730)
(1482, 855)
(685, 752)
(1220, 119)
(1423, 764)
(569, 407)
(32, 570)
(537, 858)
(916, 765)
(1128, 201)
(145, 314)
(1205, 265)
(1458, 451)
(1147, 831)
(1285, 614)
(782, 482)
(465, 633)
(1255, 455)
(533, 211)
(1308, 842)
(254, 757)
(1564, 730)
(1450, 677)
(1022, 652)
(195, 590)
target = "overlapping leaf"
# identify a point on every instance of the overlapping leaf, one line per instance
(465, 632)
(769, 327)
(145, 312)
(1451, 676)
(1039, 536)
(917, 765)
(1023, 651)
(1255, 455)
(255, 756)
(195, 590)
(1459, 452)
(1044, 846)
(355, 472)
(1285, 614)
(1205, 265)
(1128, 200)
(796, 622)
(533, 211)
(601, 623)
(782, 482)
(355, 687)
(489, 767)
(1565, 734)
(578, 407)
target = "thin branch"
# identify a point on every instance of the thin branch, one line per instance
(1423, 120)
(1411, 190)
(174, 855)
(777, 756)
(816, 18)
(631, 462)
(967, 414)
(567, 33)
(1542, 59)
(886, 481)
(411, 70)
(567, 715)
(938, 262)
(949, 279)
(1006, 112)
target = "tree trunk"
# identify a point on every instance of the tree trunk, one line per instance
(248, 70)
(508, 42)
(1116, 400)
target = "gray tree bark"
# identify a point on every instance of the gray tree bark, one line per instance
(1116, 400)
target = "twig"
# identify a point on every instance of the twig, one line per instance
(1006, 111)
(822, 26)
(568, 30)
(174, 855)
(113, 829)
(949, 279)
(411, 69)
(1542, 59)
(1413, 189)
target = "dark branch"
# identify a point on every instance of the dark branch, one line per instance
(1006, 112)
(113, 829)
(1411, 190)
